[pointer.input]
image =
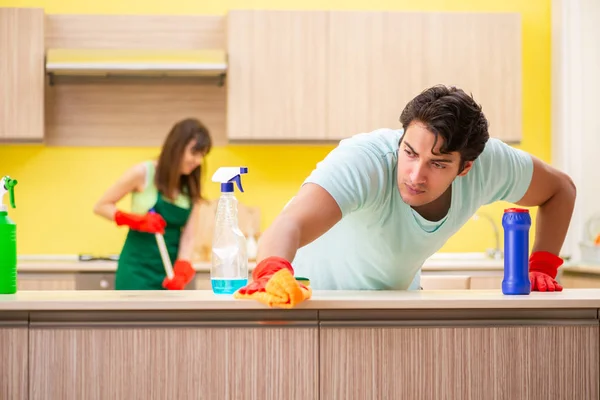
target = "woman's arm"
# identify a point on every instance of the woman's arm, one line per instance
(188, 236)
(132, 180)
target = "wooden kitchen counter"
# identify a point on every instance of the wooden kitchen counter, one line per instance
(69, 300)
(338, 345)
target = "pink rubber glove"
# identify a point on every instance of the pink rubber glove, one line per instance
(543, 268)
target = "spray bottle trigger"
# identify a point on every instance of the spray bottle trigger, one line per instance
(238, 181)
(12, 197)
(10, 185)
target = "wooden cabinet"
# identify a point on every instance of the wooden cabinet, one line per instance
(46, 281)
(445, 282)
(159, 362)
(462, 278)
(578, 279)
(89, 108)
(202, 281)
(14, 356)
(379, 61)
(21, 74)
(327, 75)
(460, 362)
(486, 282)
(277, 75)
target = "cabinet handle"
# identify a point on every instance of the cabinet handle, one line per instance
(104, 284)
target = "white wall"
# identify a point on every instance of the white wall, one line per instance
(576, 106)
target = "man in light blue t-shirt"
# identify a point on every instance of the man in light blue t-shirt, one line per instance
(382, 202)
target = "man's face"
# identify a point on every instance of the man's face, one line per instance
(423, 176)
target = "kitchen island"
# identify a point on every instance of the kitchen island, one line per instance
(339, 345)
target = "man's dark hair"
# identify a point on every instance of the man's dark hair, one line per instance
(453, 114)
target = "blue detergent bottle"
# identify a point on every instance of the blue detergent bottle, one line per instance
(516, 223)
(229, 260)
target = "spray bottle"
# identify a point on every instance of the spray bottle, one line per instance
(229, 270)
(8, 239)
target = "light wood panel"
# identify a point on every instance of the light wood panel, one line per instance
(14, 355)
(21, 74)
(190, 32)
(132, 112)
(518, 362)
(129, 113)
(277, 75)
(202, 281)
(327, 75)
(445, 282)
(164, 363)
(45, 281)
(273, 363)
(378, 61)
(484, 282)
(578, 280)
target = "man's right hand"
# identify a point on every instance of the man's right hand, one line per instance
(150, 222)
(264, 271)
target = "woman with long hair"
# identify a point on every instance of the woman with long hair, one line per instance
(165, 199)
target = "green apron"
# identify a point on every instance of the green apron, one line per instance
(140, 266)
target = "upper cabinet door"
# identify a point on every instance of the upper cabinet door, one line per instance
(277, 75)
(21, 74)
(378, 61)
(327, 75)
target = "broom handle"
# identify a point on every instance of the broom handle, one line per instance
(160, 240)
(164, 254)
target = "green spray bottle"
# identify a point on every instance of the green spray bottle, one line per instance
(8, 239)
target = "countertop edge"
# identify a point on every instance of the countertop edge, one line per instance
(326, 300)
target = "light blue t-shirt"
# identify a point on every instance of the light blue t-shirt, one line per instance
(381, 243)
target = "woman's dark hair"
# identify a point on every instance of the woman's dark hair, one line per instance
(168, 178)
(452, 114)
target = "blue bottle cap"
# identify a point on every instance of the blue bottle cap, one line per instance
(227, 187)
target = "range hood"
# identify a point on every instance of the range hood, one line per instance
(141, 63)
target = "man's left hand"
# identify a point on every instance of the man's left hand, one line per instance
(541, 282)
(543, 268)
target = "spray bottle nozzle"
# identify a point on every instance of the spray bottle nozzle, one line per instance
(227, 176)
(7, 185)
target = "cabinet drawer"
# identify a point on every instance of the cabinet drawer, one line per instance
(45, 281)
(94, 281)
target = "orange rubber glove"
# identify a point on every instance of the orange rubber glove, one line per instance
(543, 268)
(273, 284)
(183, 273)
(150, 222)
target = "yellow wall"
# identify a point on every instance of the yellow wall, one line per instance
(54, 214)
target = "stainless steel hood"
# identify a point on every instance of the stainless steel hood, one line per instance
(145, 63)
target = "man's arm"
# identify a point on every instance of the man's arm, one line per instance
(352, 176)
(554, 192)
(309, 215)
